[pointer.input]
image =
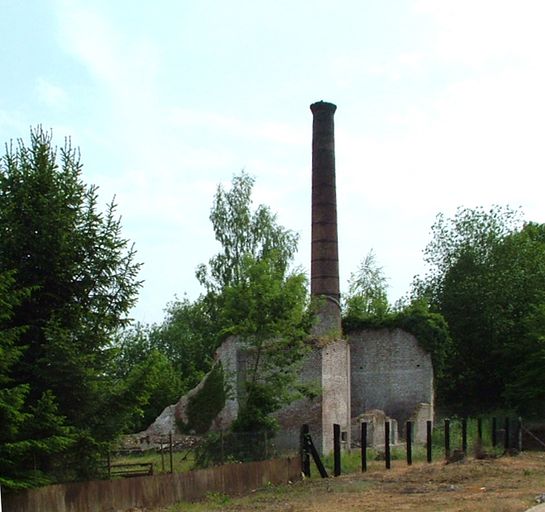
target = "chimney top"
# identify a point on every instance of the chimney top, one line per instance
(321, 106)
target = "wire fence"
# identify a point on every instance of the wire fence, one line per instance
(445, 439)
(178, 453)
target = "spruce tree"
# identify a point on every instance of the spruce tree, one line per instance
(80, 276)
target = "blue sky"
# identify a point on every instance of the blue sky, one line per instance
(440, 104)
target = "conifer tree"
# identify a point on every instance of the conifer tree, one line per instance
(80, 278)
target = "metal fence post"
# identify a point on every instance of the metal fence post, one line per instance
(409, 435)
(336, 449)
(464, 435)
(494, 432)
(428, 440)
(387, 444)
(447, 439)
(519, 435)
(507, 433)
(364, 447)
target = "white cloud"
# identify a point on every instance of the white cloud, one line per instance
(486, 31)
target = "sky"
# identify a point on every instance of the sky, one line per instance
(441, 104)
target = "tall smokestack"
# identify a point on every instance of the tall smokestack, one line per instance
(324, 269)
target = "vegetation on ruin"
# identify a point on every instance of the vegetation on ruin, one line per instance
(206, 403)
(366, 307)
(430, 330)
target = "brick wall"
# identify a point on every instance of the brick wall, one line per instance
(390, 372)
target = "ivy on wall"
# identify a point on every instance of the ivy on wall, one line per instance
(430, 330)
(206, 404)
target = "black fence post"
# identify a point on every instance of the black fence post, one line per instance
(464, 435)
(170, 452)
(305, 456)
(364, 447)
(480, 430)
(409, 440)
(447, 439)
(428, 440)
(506, 439)
(109, 466)
(336, 449)
(222, 448)
(519, 434)
(494, 432)
(316, 456)
(387, 444)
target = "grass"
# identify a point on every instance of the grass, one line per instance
(506, 484)
(181, 461)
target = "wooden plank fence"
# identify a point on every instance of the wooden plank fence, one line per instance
(153, 491)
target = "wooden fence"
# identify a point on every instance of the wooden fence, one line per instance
(153, 491)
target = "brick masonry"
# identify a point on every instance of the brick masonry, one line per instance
(390, 372)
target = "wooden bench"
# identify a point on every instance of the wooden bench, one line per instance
(130, 469)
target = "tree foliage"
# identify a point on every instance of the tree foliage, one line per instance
(253, 293)
(470, 235)
(488, 279)
(268, 311)
(188, 337)
(243, 232)
(139, 363)
(80, 280)
(367, 296)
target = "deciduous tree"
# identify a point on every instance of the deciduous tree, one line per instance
(255, 295)
(487, 279)
(367, 287)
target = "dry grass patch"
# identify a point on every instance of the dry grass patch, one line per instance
(507, 484)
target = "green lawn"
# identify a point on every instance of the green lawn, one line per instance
(181, 461)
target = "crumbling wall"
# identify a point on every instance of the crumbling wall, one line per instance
(376, 428)
(390, 372)
(227, 356)
(328, 369)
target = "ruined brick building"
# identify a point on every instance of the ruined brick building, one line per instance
(362, 370)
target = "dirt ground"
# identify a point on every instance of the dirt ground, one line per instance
(506, 484)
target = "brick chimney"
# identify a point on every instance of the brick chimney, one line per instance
(324, 269)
